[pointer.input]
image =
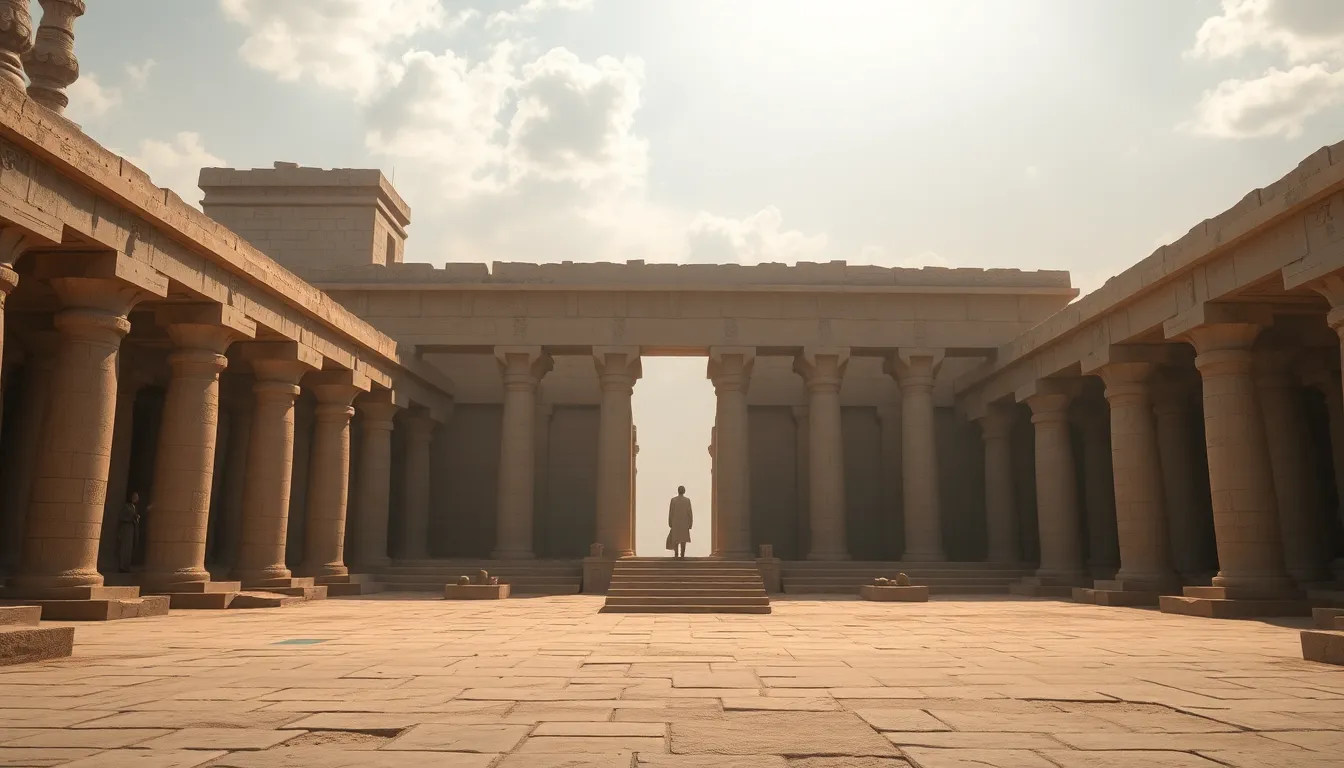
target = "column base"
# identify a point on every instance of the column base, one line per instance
(198, 595)
(294, 586)
(88, 603)
(1115, 592)
(351, 584)
(1232, 603)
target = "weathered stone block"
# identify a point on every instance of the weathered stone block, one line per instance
(1325, 647)
(20, 645)
(894, 594)
(1213, 608)
(475, 591)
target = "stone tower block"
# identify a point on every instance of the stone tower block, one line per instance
(310, 219)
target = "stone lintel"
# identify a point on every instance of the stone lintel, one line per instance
(1213, 313)
(220, 315)
(106, 265)
(1071, 387)
(1157, 354)
(337, 378)
(281, 350)
(43, 228)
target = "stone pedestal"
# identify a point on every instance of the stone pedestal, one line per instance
(822, 371)
(915, 371)
(475, 591)
(522, 369)
(911, 594)
(1250, 550)
(730, 370)
(618, 368)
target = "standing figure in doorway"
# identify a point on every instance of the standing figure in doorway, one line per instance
(679, 520)
(126, 528)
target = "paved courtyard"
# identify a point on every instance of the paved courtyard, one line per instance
(400, 681)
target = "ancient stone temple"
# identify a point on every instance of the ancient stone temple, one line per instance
(300, 411)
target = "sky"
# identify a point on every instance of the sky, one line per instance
(1037, 134)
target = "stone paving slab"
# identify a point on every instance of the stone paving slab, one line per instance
(820, 683)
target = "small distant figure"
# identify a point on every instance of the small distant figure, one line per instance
(126, 525)
(679, 520)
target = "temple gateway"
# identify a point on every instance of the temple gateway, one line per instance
(303, 413)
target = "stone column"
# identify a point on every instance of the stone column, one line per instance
(618, 368)
(13, 241)
(16, 39)
(915, 371)
(277, 369)
(415, 500)
(65, 508)
(329, 471)
(375, 480)
(184, 463)
(1327, 382)
(730, 370)
(713, 496)
(235, 472)
(893, 523)
(1297, 489)
(1172, 406)
(1003, 528)
(522, 369)
(51, 64)
(1057, 513)
(822, 371)
(802, 471)
(1103, 552)
(1140, 501)
(1245, 514)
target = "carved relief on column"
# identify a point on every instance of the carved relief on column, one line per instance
(1297, 489)
(915, 371)
(51, 64)
(1002, 525)
(522, 369)
(1245, 510)
(618, 368)
(730, 370)
(16, 39)
(822, 371)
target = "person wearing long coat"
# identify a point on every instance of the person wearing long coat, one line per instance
(679, 519)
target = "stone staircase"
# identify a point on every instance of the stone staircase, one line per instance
(689, 585)
(526, 577)
(801, 577)
(23, 640)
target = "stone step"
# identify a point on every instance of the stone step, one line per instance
(100, 609)
(791, 588)
(252, 599)
(746, 581)
(683, 592)
(303, 593)
(627, 583)
(1214, 608)
(22, 644)
(645, 599)
(20, 615)
(685, 608)
(201, 600)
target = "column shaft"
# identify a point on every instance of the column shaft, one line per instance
(1103, 551)
(617, 372)
(65, 508)
(730, 370)
(1003, 529)
(184, 464)
(1057, 513)
(1187, 510)
(270, 467)
(522, 369)
(375, 483)
(1140, 501)
(915, 373)
(1245, 514)
(19, 472)
(822, 372)
(415, 500)
(329, 480)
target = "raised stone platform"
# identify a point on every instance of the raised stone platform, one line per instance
(894, 594)
(100, 603)
(22, 639)
(475, 591)
(1225, 603)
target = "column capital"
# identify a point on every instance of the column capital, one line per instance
(284, 362)
(419, 426)
(14, 242)
(1332, 288)
(377, 410)
(998, 421)
(822, 368)
(618, 368)
(730, 368)
(1224, 347)
(523, 366)
(336, 387)
(1127, 380)
(914, 368)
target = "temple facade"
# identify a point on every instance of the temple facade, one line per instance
(298, 409)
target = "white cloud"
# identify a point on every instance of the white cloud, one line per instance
(757, 239)
(339, 44)
(176, 164)
(1302, 30)
(533, 9)
(1276, 104)
(90, 99)
(138, 74)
